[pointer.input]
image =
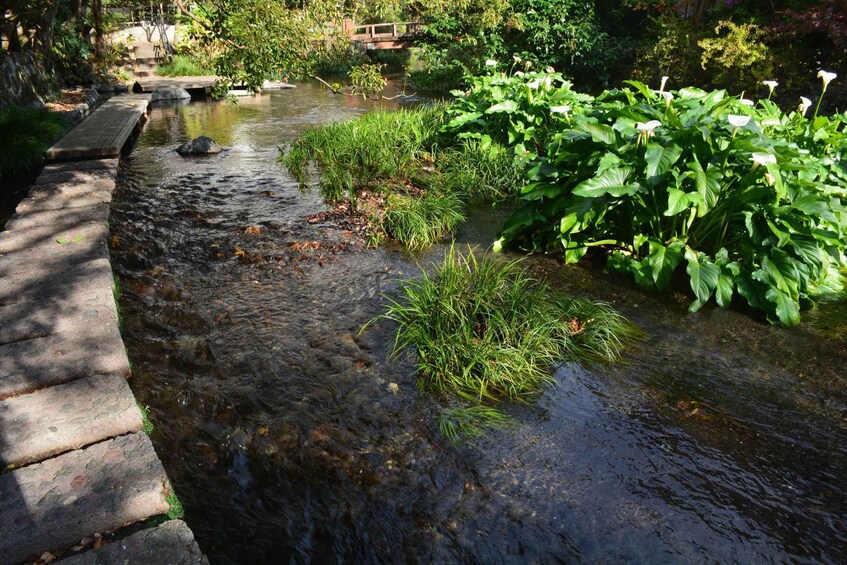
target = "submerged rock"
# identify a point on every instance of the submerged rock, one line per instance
(170, 93)
(200, 146)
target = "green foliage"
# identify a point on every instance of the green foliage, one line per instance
(670, 48)
(27, 135)
(754, 208)
(737, 56)
(183, 66)
(486, 331)
(147, 425)
(367, 79)
(175, 509)
(425, 187)
(419, 222)
(470, 421)
(378, 146)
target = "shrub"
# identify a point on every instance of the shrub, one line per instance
(27, 135)
(752, 200)
(737, 56)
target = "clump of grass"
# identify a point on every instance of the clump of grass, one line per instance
(418, 223)
(27, 135)
(146, 424)
(486, 331)
(175, 509)
(480, 171)
(183, 66)
(470, 421)
(377, 146)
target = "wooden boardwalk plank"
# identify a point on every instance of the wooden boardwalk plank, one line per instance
(104, 132)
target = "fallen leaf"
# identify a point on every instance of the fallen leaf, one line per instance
(253, 230)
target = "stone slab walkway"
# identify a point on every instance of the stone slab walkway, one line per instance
(73, 460)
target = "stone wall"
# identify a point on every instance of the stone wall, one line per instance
(21, 80)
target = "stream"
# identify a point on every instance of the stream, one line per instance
(717, 438)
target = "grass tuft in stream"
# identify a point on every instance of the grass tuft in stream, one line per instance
(487, 332)
(27, 135)
(425, 181)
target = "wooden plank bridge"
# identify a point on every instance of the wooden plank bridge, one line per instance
(393, 35)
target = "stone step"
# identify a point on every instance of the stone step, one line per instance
(145, 73)
(107, 166)
(37, 284)
(38, 363)
(66, 234)
(62, 218)
(66, 417)
(85, 191)
(78, 312)
(52, 505)
(149, 60)
(55, 255)
(171, 543)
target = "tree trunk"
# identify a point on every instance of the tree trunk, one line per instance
(99, 38)
(44, 36)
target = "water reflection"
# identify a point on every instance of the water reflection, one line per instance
(718, 439)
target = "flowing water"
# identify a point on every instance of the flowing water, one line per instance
(718, 438)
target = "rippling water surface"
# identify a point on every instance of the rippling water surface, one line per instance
(717, 439)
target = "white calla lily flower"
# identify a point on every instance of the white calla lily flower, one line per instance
(747, 102)
(805, 104)
(560, 109)
(648, 126)
(762, 159)
(771, 84)
(664, 82)
(668, 98)
(738, 121)
(827, 77)
(491, 63)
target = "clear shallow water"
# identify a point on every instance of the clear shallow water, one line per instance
(718, 438)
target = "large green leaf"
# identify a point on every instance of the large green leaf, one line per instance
(599, 133)
(610, 182)
(659, 160)
(678, 201)
(506, 106)
(782, 271)
(708, 185)
(787, 309)
(704, 277)
(663, 261)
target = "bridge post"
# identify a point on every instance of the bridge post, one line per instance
(347, 26)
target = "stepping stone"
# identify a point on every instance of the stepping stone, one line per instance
(77, 313)
(171, 543)
(52, 505)
(77, 193)
(34, 364)
(63, 418)
(108, 165)
(45, 284)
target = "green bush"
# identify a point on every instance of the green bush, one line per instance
(751, 199)
(27, 135)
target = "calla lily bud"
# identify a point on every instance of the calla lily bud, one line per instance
(805, 104)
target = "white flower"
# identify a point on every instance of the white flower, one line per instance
(668, 97)
(762, 158)
(738, 121)
(805, 104)
(491, 63)
(771, 84)
(664, 82)
(550, 70)
(519, 73)
(747, 102)
(649, 126)
(826, 77)
(534, 83)
(516, 59)
(560, 109)
(770, 122)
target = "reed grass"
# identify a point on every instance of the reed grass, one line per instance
(487, 332)
(418, 223)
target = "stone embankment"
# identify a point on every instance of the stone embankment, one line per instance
(79, 479)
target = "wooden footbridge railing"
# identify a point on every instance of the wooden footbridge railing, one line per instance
(394, 35)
